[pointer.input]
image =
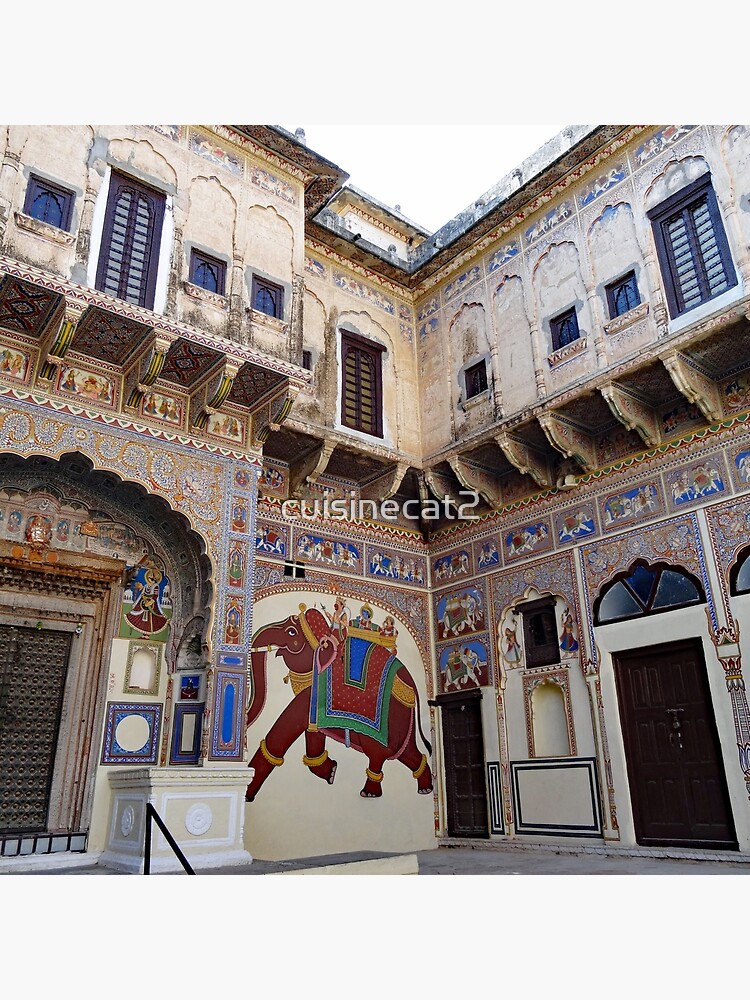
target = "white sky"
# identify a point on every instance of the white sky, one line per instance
(431, 171)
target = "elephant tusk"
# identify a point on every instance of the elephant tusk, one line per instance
(262, 649)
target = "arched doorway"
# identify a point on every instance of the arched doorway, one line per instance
(678, 787)
(72, 541)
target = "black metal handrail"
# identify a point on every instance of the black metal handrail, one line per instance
(152, 814)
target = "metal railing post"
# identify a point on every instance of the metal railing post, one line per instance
(151, 813)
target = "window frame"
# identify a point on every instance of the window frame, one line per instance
(118, 182)
(555, 328)
(198, 257)
(37, 185)
(355, 342)
(545, 654)
(259, 283)
(480, 366)
(647, 609)
(659, 216)
(614, 286)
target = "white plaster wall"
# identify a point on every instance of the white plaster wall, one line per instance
(669, 627)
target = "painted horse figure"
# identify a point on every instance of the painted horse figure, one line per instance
(347, 684)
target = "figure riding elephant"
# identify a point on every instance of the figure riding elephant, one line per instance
(348, 685)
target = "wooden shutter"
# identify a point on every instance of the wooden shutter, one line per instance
(130, 242)
(692, 247)
(361, 390)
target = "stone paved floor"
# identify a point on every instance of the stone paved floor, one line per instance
(497, 860)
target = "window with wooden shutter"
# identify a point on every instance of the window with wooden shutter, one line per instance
(130, 241)
(361, 387)
(692, 247)
(540, 632)
(564, 329)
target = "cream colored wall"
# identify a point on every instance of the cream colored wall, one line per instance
(571, 264)
(208, 206)
(296, 814)
(115, 692)
(670, 627)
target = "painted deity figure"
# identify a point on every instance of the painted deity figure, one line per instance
(146, 615)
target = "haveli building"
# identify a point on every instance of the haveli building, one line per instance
(244, 411)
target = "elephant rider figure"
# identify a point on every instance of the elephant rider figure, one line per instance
(348, 685)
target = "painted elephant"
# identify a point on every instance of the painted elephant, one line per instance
(313, 650)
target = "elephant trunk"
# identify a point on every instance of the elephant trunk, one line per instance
(258, 682)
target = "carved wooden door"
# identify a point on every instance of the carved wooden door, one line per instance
(465, 765)
(677, 782)
(33, 667)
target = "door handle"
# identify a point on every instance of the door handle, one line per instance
(676, 734)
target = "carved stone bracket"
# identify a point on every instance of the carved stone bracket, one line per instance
(149, 369)
(477, 481)
(632, 413)
(310, 466)
(569, 440)
(383, 487)
(696, 387)
(216, 392)
(58, 344)
(525, 459)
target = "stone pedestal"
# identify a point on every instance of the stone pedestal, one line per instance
(203, 809)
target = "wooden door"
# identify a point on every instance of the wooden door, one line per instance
(677, 782)
(33, 667)
(463, 747)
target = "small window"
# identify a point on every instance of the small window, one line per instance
(48, 203)
(476, 379)
(268, 298)
(564, 329)
(646, 590)
(540, 632)
(295, 570)
(692, 247)
(361, 384)
(623, 295)
(307, 360)
(207, 272)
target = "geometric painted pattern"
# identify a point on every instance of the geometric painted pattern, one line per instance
(186, 362)
(131, 735)
(108, 337)
(26, 308)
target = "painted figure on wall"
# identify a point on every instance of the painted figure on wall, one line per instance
(233, 626)
(510, 647)
(236, 572)
(464, 666)
(146, 617)
(568, 641)
(353, 690)
(239, 516)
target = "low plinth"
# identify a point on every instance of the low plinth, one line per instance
(203, 809)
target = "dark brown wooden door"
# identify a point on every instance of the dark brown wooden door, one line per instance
(677, 781)
(33, 667)
(464, 765)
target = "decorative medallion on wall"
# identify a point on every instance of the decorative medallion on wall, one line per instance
(131, 734)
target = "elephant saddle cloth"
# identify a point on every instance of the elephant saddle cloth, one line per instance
(354, 691)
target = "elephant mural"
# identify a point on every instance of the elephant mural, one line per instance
(347, 684)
